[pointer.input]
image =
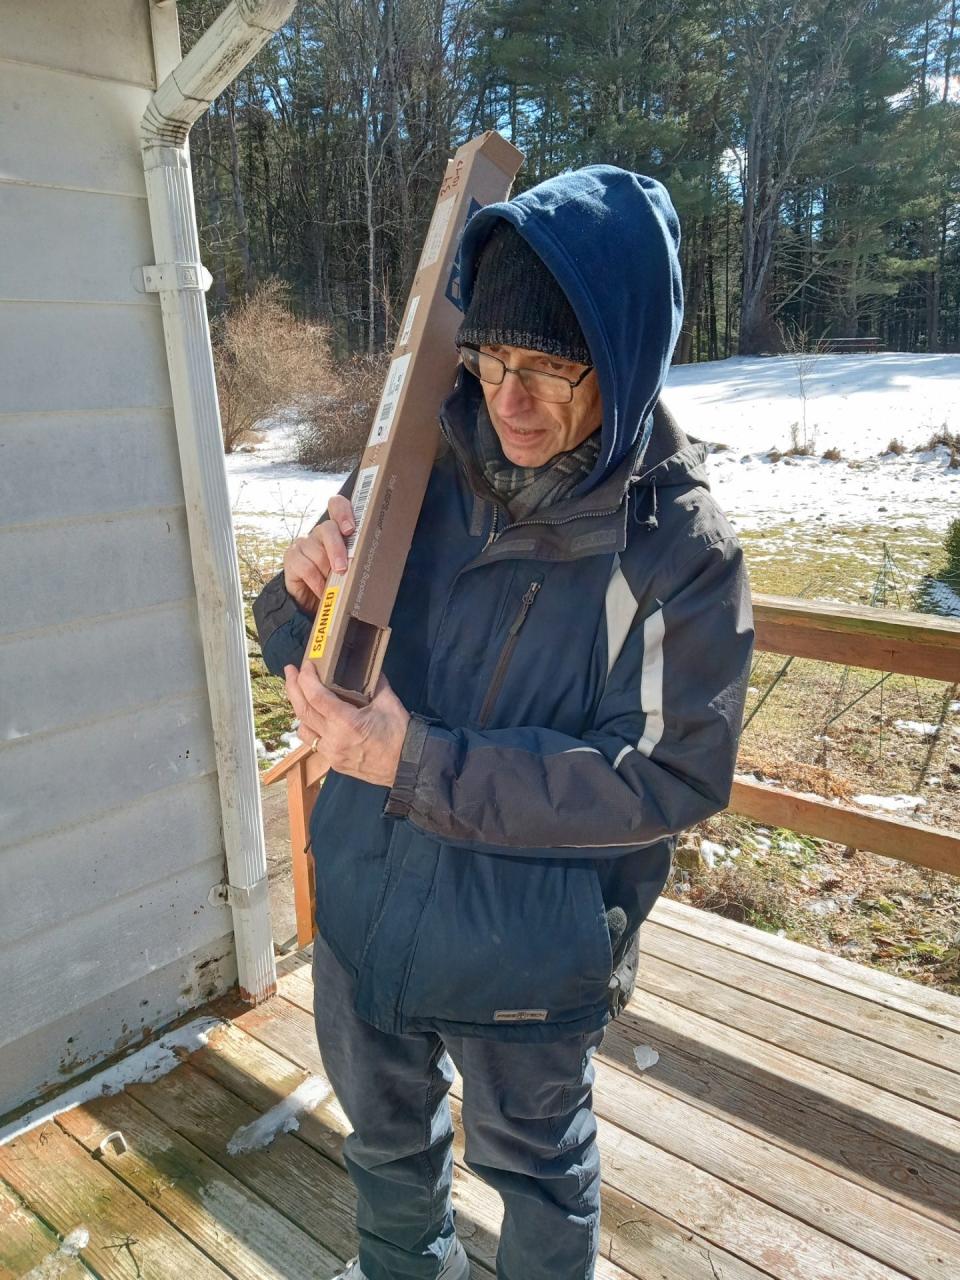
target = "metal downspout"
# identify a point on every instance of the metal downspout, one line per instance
(181, 280)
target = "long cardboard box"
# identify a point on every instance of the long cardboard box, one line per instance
(352, 626)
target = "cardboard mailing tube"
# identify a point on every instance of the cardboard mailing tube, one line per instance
(352, 625)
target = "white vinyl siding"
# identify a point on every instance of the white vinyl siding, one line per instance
(110, 822)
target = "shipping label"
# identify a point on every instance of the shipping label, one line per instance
(408, 323)
(387, 409)
(438, 230)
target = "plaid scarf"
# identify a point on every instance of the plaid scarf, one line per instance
(524, 490)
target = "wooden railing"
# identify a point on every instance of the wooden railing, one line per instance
(910, 644)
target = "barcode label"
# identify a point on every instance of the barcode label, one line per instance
(390, 399)
(360, 501)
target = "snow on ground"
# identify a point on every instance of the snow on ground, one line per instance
(269, 490)
(892, 804)
(855, 404)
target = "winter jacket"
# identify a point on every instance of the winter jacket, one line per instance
(576, 679)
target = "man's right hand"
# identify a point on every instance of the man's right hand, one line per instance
(308, 562)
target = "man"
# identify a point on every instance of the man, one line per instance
(563, 694)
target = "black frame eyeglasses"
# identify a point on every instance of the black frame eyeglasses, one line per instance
(553, 388)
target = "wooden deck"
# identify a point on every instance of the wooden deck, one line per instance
(803, 1122)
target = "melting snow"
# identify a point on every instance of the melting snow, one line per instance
(891, 803)
(645, 1057)
(283, 1118)
(712, 853)
(143, 1067)
(920, 727)
(52, 1266)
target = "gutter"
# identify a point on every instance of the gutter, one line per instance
(181, 281)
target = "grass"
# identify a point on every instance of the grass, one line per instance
(260, 557)
(876, 911)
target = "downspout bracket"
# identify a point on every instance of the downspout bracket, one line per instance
(248, 896)
(175, 275)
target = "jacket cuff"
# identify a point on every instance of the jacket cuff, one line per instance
(273, 608)
(400, 797)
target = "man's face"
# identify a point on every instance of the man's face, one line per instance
(531, 432)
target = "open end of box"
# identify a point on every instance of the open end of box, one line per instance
(360, 660)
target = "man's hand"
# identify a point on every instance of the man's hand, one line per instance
(362, 742)
(308, 562)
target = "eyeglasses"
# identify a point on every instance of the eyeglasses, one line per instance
(551, 387)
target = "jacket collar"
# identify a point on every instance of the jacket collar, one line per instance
(595, 523)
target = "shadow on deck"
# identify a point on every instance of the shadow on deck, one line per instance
(802, 1122)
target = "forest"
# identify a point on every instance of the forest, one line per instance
(812, 150)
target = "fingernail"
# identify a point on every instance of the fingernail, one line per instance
(341, 566)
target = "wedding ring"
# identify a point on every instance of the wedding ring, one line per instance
(314, 744)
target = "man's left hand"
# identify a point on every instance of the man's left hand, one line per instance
(362, 742)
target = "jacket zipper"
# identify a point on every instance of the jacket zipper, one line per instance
(492, 536)
(506, 652)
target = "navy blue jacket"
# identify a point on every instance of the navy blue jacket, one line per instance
(577, 678)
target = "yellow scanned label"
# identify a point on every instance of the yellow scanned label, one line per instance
(321, 628)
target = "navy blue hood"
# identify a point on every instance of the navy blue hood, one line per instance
(610, 237)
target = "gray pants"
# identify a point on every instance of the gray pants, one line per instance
(529, 1128)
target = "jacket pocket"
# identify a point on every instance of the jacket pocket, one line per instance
(509, 940)
(350, 844)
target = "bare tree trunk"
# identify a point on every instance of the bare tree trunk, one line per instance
(239, 210)
(782, 121)
(933, 297)
(218, 289)
(371, 241)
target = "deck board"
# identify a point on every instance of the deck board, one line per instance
(833, 1008)
(59, 1182)
(244, 1235)
(927, 1003)
(853, 1230)
(839, 1045)
(802, 1123)
(28, 1249)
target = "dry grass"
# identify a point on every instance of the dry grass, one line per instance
(265, 360)
(832, 455)
(942, 436)
(338, 424)
(895, 446)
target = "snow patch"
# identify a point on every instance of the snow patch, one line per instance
(52, 1266)
(283, 1118)
(823, 907)
(78, 1239)
(143, 1067)
(712, 853)
(290, 743)
(645, 1057)
(920, 727)
(891, 803)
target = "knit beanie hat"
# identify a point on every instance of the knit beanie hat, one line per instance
(517, 302)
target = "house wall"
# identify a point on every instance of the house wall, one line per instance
(110, 834)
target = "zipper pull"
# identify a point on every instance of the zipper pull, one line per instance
(492, 536)
(528, 598)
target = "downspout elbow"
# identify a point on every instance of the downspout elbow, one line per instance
(218, 57)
